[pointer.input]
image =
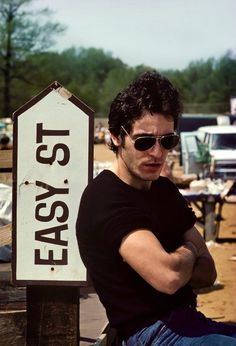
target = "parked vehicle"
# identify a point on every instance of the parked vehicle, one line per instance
(210, 151)
(221, 143)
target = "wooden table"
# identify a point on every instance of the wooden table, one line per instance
(206, 203)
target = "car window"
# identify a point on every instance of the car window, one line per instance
(224, 141)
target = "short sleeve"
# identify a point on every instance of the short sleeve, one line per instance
(124, 222)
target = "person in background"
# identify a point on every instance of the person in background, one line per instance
(136, 232)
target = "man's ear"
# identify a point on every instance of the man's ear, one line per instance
(116, 140)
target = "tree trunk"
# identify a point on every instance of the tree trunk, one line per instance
(7, 68)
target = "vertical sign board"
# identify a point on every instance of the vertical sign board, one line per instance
(53, 162)
(233, 105)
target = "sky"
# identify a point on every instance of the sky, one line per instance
(162, 34)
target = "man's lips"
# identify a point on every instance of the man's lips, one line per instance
(153, 165)
(158, 163)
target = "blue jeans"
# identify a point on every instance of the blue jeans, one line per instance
(184, 327)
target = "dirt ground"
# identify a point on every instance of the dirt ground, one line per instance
(217, 302)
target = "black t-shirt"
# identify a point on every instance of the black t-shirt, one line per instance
(109, 210)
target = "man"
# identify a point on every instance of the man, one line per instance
(136, 232)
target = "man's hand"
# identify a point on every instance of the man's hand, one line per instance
(204, 271)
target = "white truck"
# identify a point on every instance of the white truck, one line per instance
(211, 150)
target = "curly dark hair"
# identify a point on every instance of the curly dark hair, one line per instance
(150, 92)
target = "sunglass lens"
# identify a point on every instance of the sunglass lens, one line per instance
(169, 142)
(144, 143)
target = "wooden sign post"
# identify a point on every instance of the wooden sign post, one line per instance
(52, 164)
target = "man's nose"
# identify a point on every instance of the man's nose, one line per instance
(157, 150)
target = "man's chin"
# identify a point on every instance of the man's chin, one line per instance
(151, 177)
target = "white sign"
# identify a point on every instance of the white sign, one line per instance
(233, 105)
(53, 162)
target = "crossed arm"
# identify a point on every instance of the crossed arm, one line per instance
(204, 271)
(167, 272)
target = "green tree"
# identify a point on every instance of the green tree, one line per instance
(83, 71)
(206, 86)
(21, 36)
(116, 80)
(93, 66)
(225, 80)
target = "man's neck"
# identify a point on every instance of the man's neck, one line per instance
(119, 168)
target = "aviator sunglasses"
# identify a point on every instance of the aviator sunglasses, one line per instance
(143, 143)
